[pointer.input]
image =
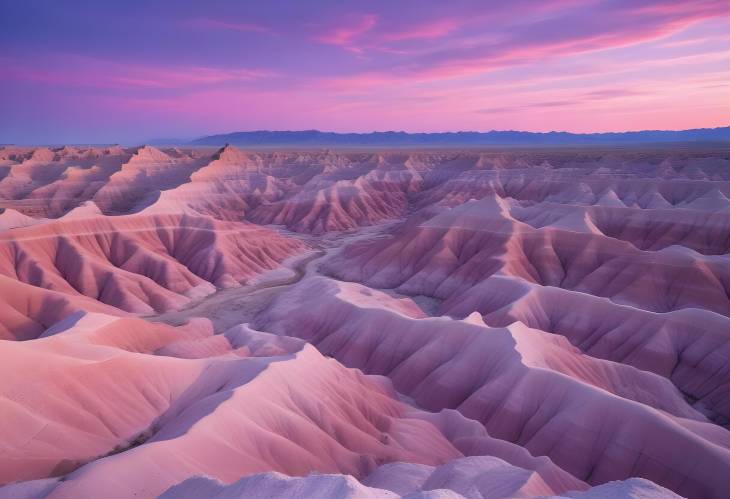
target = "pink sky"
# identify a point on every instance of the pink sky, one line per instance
(132, 72)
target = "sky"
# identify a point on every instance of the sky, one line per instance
(131, 71)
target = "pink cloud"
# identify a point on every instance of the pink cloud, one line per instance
(700, 9)
(353, 37)
(344, 36)
(94, 73)
(480, 59)
(567, 99)
(435, 29)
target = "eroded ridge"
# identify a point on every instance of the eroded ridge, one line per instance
(497, 323)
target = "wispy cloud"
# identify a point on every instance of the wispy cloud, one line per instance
(217, 24)
(429, 30)
(345, 36)
(605, 94)
(87, 72)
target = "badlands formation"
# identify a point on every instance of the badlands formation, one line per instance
(194, 323)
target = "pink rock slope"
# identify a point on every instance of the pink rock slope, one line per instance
(364, 324)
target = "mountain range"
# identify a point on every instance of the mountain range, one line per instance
(447, 139)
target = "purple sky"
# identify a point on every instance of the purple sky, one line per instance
(127, 71)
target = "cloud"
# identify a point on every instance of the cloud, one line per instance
(599, 95)
(612, 93)
(366, 32)
(429, 30)
(84, 72)
(468, 43)
(345, 36)
(215, 24)
(571, 31)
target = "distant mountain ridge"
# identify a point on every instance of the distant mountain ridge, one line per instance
(447, 139)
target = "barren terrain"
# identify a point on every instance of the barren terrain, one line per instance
(339, 323)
